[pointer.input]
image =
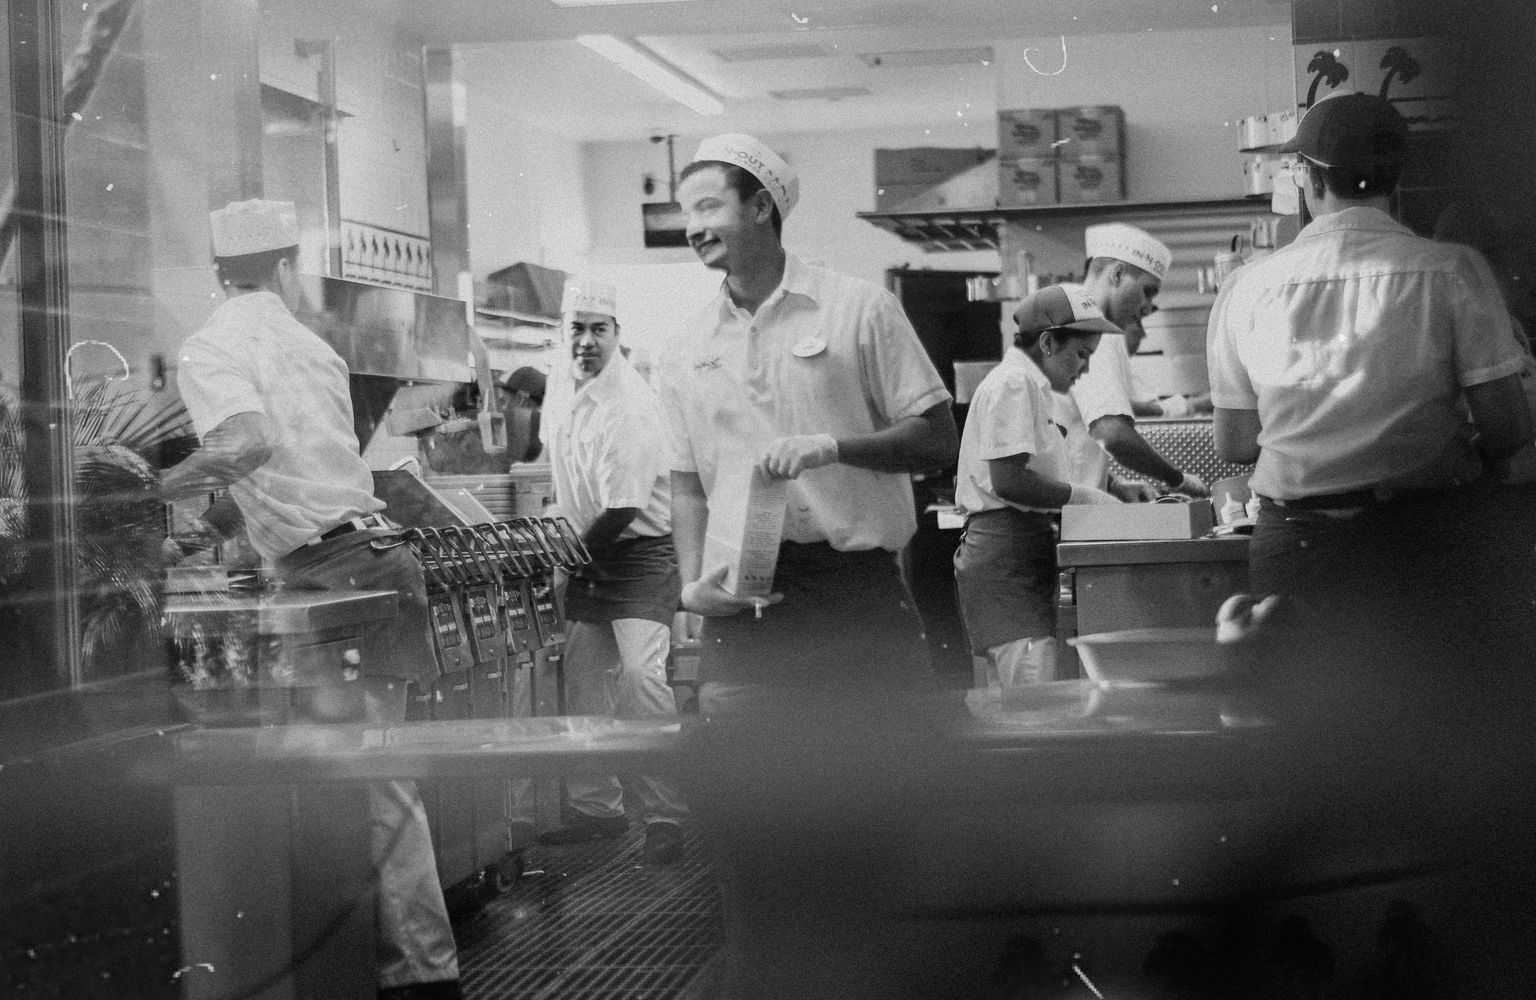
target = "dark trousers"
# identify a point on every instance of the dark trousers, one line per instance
(846, 622)
(1434, 577)
(400, 646)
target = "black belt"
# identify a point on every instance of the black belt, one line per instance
(353, 524)
(1368, 497)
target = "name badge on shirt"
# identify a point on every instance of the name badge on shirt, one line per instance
(808, 347)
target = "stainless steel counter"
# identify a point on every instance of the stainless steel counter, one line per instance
(1109, 586)
(1233, 548)
(282, 612)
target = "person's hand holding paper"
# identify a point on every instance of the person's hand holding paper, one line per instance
(787, 457)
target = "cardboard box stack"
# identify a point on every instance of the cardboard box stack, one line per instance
(1026, 150)
(1092, 154)
(1061, 156)
(932, 178)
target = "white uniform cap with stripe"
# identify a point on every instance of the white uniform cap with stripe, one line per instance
(778, 177)
(589, 295)
(1061, 307)
(255, 226)
(1132, 245)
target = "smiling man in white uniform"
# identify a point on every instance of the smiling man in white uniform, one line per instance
(1125, 271)
(607, 453)
(821, 379)
(271, 405)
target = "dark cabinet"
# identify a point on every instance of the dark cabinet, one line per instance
(952, 328)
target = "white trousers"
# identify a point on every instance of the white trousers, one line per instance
(619, 669)
(415, 939)
(1022, 661)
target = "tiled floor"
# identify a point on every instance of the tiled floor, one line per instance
(594, 923)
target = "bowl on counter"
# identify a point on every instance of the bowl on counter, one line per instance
(1150, 655)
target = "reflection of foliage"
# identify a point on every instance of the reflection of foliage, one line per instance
(13, 496)
(119, 522)
(119, 437)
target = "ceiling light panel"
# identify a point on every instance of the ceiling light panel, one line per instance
(765, 53)
(979, 56)
(819, 93)
(650, 68)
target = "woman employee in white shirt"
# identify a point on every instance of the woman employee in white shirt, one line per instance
(1013, 481)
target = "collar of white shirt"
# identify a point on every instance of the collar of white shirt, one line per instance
(606, 384)
(1015, 357)
(1359, 218)
(799, 279)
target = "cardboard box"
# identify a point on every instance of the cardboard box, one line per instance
(926, 165)
(1026, 134)
(1090, 180)
(973, 188)
(1026, 182)
(1081, 522)
(1091, 130)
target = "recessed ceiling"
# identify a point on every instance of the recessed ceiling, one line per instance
(780, 65)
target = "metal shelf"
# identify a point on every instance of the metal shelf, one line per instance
(977, 229)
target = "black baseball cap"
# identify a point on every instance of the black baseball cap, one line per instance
(1350, 130)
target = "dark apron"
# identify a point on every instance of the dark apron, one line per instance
(1005, 574)
(847, 621)
(632, 578)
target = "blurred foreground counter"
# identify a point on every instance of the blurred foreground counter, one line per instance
(273, 835)
(870, 849)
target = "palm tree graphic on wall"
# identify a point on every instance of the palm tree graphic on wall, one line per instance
(1399, 66)
(1326, 68)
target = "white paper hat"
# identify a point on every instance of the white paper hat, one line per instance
(778, 177)
(1127, 243)
(589, 295)
(245, 227)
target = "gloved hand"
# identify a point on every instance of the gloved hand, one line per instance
(1091, 494)
(787, 457)
(1193, 486)
(1174, 406)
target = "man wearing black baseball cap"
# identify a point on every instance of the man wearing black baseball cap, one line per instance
(1344, 365)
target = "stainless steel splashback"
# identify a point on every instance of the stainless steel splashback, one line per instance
(389, 332)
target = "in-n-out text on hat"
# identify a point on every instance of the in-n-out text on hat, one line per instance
(777, 176)
(1138, 247)
(1066, 306)
(589, 295)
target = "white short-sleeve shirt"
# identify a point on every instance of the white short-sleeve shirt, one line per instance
(825, 353)
(254, 357)
(1013, 412)
(608, 448)
(1354, 344)
(1104, 390)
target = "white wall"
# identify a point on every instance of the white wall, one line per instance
(1183, 93)
(527, 196)
(836, 180)
(381, 142)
